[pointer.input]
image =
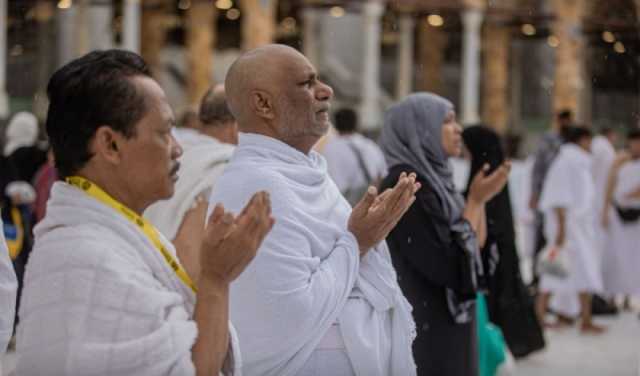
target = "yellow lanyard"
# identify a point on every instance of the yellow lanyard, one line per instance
(147, 228)
(15, 245)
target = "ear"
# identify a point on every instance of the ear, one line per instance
(262, 104)
(107, 144)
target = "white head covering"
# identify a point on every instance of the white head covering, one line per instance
(21, 131)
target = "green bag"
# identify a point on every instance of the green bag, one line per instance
(491, 345)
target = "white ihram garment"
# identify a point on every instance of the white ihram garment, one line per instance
(622, 260)
(569, 184)
(99, 299)
(308, 289)
(202, 162)
(8, 289)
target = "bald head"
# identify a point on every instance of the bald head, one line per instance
(274, 90)
(260, 69)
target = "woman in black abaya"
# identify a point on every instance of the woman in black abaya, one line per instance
(510, 306)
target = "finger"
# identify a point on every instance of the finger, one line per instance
(219, 230)
(216, 214)
(250, 204)
(367, 201)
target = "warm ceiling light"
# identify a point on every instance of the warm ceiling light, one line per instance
(435, 20)
(528, 30)
(289, 22)
(224, 4)
(65, 4)
(619, 47)
(233, 14)
(608, 36)
(336, 12)
(553, 41)
(184, 4)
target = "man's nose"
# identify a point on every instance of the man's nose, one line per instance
(325, 92)
(176, 149)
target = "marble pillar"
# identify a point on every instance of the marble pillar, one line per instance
(370, 114)
(404, 81)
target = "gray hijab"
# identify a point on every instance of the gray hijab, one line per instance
(412, 134)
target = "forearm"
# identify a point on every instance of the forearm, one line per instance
(481, 234)
(474, 213)
(212, 318)
(561, 219)
(611, 184)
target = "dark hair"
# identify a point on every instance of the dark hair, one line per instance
(214, 109)
(565, 115)
(605, 131)
(574, 134)
(346, 120)
(633, 134)
(87, 93)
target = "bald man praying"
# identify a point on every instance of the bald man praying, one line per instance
(321, 297)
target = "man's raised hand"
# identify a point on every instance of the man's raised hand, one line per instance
(377, 214)
(230, 243)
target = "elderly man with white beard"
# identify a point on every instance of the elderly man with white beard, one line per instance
(321, 298)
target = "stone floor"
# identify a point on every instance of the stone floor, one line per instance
(616, 353)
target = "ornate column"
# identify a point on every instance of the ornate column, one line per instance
(4, 97)
(432, 42)
(310, 34)
(258, 22)
(200, 38)
(131, 25)
(370, 117)
(153, 32)
(404, 81)
(495, 82)
(472, 17)
(569, 80)
(100, 17)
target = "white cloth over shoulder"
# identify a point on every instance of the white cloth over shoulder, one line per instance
(201, 165)
(308, 276)
(569, 185)
(622, 260)
(343, 165)
(99, 299)
(8, 289)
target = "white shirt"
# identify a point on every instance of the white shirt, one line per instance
(343, 165)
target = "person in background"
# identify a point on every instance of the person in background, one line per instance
(546, 152)
(354, 162)
(621, 216)
(435, 246)
(21, 145)
(42, 183)
(510, 306)
(188, 127)
(568, 202)
(182, 217)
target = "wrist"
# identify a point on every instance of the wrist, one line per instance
(210, 285)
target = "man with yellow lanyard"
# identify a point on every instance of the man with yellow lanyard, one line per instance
(104, 291)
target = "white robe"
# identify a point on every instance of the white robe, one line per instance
(201, 165)
(308, 275)
(569, 184)
(8, 289)
(99, 299)
(343, 165)
(622, 260)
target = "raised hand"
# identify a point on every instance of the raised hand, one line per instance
(377, 214)
(230, 243)
(484, 187)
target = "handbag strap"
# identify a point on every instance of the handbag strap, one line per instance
(361, 163)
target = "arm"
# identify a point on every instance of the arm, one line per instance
(560, 214)
(474, 212)
(212, 317)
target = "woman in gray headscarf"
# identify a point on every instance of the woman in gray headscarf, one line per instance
(435, 246)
